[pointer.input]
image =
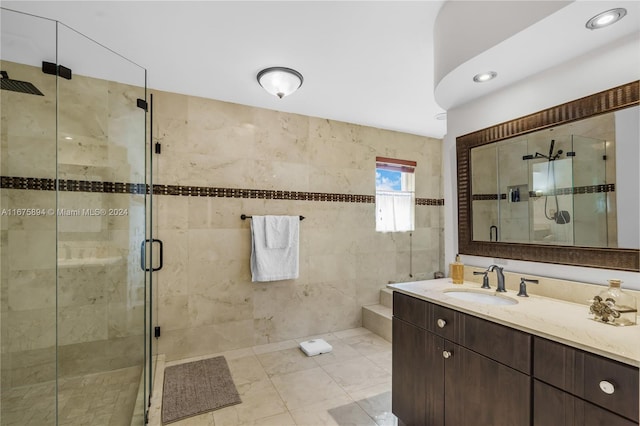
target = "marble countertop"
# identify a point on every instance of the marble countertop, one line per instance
(553, 319)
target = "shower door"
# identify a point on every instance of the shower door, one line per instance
(74, 295)
(591, 219)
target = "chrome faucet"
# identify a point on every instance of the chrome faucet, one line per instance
(500, 275)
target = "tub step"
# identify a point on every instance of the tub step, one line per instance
(386, 297)
(377, 318)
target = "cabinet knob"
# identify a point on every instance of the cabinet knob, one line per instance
(441, 323)
(446, 354)
(607, 387)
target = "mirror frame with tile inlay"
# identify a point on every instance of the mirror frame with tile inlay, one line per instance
(616, 98)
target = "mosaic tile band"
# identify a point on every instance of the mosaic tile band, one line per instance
(591, 189)
(46, 184)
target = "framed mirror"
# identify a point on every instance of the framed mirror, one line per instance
(522, 196)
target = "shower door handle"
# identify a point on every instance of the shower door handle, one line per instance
(143, 255)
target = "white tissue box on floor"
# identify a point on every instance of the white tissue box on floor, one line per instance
(315, 347)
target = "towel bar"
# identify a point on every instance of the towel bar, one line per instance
(244, 216)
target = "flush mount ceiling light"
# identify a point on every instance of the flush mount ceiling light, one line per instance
(606, 18)
(485, 76)
(280, 81)
(441, 116)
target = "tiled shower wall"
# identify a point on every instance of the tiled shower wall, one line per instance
(296, 165)
(72, 293)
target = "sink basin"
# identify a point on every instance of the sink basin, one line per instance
(483, 297)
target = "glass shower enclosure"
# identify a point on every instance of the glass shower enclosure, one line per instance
(74, 292)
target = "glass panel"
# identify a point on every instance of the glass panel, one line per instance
(101, 226)
(28, 222)
(485, 194)
(590, 213)
(153, 278)
(513, 182)
(553, 205)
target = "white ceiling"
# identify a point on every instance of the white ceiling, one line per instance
(369, 63)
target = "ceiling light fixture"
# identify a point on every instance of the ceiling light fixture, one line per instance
(280, 81)
(605, 19)
(485, 76)
(441, 116)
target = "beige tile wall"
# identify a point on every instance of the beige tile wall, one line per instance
(206, 300)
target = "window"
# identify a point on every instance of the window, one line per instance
(395, 195)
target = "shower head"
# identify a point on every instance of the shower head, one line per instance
(18, 86)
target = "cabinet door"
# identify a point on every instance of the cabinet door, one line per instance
(417, 379)
(483, 392)
(410, 309)
(553, 407)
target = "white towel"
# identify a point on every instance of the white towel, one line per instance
(273, 264)
(278, 230)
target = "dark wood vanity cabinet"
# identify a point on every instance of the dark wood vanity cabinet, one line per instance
(443, 373)
(576, 388)
(553, 407)
(450, 368)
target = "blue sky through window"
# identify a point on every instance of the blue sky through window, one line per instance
(388, 180)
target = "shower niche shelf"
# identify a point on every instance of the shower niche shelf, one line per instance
(517, 193)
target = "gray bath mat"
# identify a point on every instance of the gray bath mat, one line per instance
(197, 387)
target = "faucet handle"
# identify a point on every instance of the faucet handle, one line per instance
(523, 286)
(485, 279)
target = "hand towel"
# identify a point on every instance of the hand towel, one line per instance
(277, 230)
(273, 264)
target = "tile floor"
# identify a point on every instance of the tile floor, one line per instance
(100, 399)
(279, 385)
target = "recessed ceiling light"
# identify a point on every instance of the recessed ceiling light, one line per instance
(485, 76)
(69, 138)
(441, 116)
(606, 18)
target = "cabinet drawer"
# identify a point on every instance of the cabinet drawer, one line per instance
(555, 364)
(553, 407)
(581, 373)
(410, 309)
(503, 344)
(444, 322)
(624, 384)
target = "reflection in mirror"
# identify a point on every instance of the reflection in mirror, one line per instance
(554, 186)
(520, 198)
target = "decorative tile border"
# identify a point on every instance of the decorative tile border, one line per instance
(71, 185)
(591, 189)
(38, 184)
(45, 184)
(429, 201)
(488, 197)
